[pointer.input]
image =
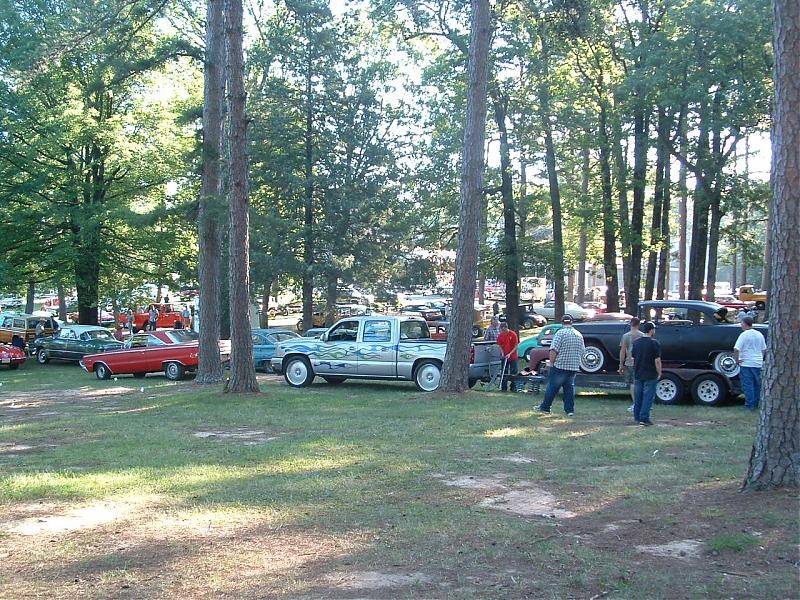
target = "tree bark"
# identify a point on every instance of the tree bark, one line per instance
(655, 221)
(243, 373)
(582, 239)
(62, 302)
(609, 225)
(263, 320)
(332, 288)
(775, 458)
(662, 283)
(700, 208)
(522, 204)
(510, 257)
(30, 297)
(715, 204)
(209, 368)
(621, 180)
(456, 363)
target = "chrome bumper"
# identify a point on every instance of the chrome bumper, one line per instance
(83, 366)
(277, 365)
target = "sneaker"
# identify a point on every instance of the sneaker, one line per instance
(645, 423)
(570, 414)
(541, 410)
(630, 408)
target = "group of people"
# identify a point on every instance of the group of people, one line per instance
(639, 362)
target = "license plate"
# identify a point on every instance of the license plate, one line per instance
(6, 361)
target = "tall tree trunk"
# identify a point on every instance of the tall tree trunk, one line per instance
(456, 364)
(62, 302)
(640, 146)
(662, 284)
(701, 205)
(609, 224)
(765, 276)
(266, 287)
(308, 206)
(621, 180)
(510, 258)
(582, 239)
(522, 204)
(716, 200)
(655, 221)
(683, 212)
(243, 373)
(775, 459)
(331, 292)
(30, 297)
(87, 273)
(209, 368)
(552, 177)
(735, 266)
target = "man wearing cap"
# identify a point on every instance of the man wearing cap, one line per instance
(749, 352)
(566, 353)
(646, 353)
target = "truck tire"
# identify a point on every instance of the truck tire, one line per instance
(670, 389)
(708, 390)
(725, 364)
(334, 380)
(300, 326)
(298, 372)
(427, 375)
(174, 371)
(594, 358)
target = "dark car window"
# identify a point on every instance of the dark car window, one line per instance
(284, 335)
(346, 331)
(182, 336)
(65, 333)
(70, 335)
(377, 331)
(154, 341)
(257, 340)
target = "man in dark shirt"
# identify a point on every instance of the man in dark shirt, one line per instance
(646, 354)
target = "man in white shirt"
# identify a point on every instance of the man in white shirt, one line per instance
(749, 351)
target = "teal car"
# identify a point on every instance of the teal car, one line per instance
(543, 339)
(264, 342)
(73, 342)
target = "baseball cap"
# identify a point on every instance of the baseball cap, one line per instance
(566, 319)
(647, 327)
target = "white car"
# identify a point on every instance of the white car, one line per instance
(577, 312)
(11, 301)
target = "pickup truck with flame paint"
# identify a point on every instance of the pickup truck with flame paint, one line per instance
(377, 347)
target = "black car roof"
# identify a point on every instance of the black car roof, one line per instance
(713, 306)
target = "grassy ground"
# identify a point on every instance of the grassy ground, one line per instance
(143, 488)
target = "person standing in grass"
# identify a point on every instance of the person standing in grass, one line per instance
(626, 358)
(646, 353)
(566, 353)
(492, 331)
(508, 341)
(749, 351)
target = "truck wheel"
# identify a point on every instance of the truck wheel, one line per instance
(594, 359)
(528, 324)
(101, 371)
(725, 364)
(174, 371)
(41, 357)
(333, 380)
(300, 326)
(427, 375)
(669, 389)
(298, 372)
(708, 390)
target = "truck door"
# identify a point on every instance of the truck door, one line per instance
(338, 354)
(377, 355)
(672, 325)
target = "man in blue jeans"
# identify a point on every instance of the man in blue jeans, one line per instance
(749, 353)
(646, 353)
(566, 353)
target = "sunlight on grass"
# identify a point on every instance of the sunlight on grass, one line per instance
(505, 432)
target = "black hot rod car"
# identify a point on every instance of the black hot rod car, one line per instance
(692, 333)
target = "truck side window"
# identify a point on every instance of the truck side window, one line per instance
(377, 331)
(346, 331)
(414, 330)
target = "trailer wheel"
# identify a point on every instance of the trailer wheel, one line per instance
(669, 389)
(594, 359)
(708, 390)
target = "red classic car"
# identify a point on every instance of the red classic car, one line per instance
(11, 356)
(168, 315)
(145, 354)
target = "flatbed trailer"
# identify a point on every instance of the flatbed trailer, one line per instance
(677, 384)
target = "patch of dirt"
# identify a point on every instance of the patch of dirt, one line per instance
(516, 457)
(48, 519)
(375, 580)
(248, 437)
(681, 549)
(528, 502)
(470, 482)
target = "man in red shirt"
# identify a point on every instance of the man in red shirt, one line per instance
(508, 341)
